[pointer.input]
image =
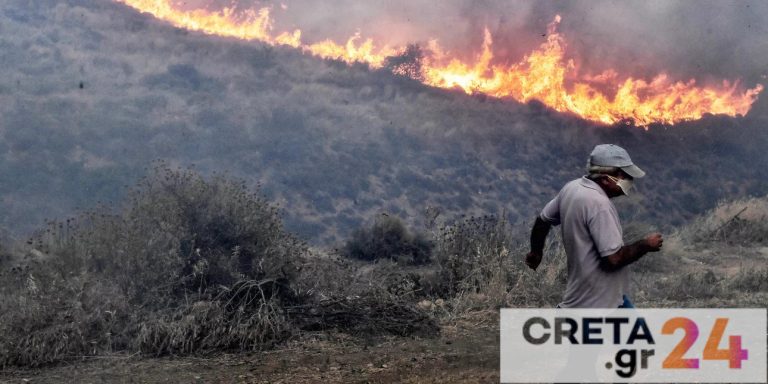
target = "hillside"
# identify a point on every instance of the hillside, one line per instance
(91, 92)
(717, 261)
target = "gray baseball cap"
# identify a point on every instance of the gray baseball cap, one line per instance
(610, 155)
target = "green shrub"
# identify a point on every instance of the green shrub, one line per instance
(388, 239)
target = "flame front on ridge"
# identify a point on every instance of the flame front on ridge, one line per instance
(543, 75)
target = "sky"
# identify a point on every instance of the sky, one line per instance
(703, 39)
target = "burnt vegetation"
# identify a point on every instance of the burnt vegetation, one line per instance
(194, 265)
(408, 63)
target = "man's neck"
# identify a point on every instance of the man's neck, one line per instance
(597, 180)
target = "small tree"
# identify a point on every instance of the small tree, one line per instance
(408, 63)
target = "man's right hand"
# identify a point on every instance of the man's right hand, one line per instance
(654, 242)
(628, 254)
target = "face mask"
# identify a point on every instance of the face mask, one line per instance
(624, 184)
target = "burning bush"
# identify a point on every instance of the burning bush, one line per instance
(388, 239)
(408, 64)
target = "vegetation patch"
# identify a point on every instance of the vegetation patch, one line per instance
(388, 239)
(189, 265)
(739, 222)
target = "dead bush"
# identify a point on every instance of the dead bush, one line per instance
(128, 280)
(388, 239)
(740, 222)
(370, 313)
(702, 284)
(749, 280)
(213, 325)
(189, 265)
(480, 260)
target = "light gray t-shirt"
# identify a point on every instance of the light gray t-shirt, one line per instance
(591, 230)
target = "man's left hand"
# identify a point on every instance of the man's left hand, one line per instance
(533, 259)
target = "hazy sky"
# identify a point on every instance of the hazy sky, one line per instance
(708, 39)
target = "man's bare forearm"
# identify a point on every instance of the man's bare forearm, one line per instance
(539, 235)
(628, 254)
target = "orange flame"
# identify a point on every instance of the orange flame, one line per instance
(352, 51)
(543, 75)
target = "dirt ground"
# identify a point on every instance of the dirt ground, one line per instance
(464, 352)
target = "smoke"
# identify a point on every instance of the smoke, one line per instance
(693, 38)
(91, 91)
(706, 40)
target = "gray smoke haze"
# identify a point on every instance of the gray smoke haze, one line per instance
(91, 92)
(708, 40)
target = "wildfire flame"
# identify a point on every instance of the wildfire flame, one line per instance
(545, 74)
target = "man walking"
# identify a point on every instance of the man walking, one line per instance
(592, 234)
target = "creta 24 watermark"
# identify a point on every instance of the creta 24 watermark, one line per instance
(632, 345)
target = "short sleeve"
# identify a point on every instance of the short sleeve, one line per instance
(551, 211)
(605, 229)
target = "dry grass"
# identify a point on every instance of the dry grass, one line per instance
(189, 265)
(480, 266)
(193, 265)
(715, 260)
(387, 238)
(735, 222)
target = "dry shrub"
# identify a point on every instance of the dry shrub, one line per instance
(405, 282)
(361, 298)
(740, 222)
(388, 239)
(199, 234)
(323, 275)
(471, 253)
(372, 312)
(213, 325)
(545, 287)
(480, 265)
(45, 318)
(702, 284)
(749, 280)
(137, 279)
(189, 265)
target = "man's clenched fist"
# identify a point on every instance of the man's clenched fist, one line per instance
(654, 242)
(533, 259)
